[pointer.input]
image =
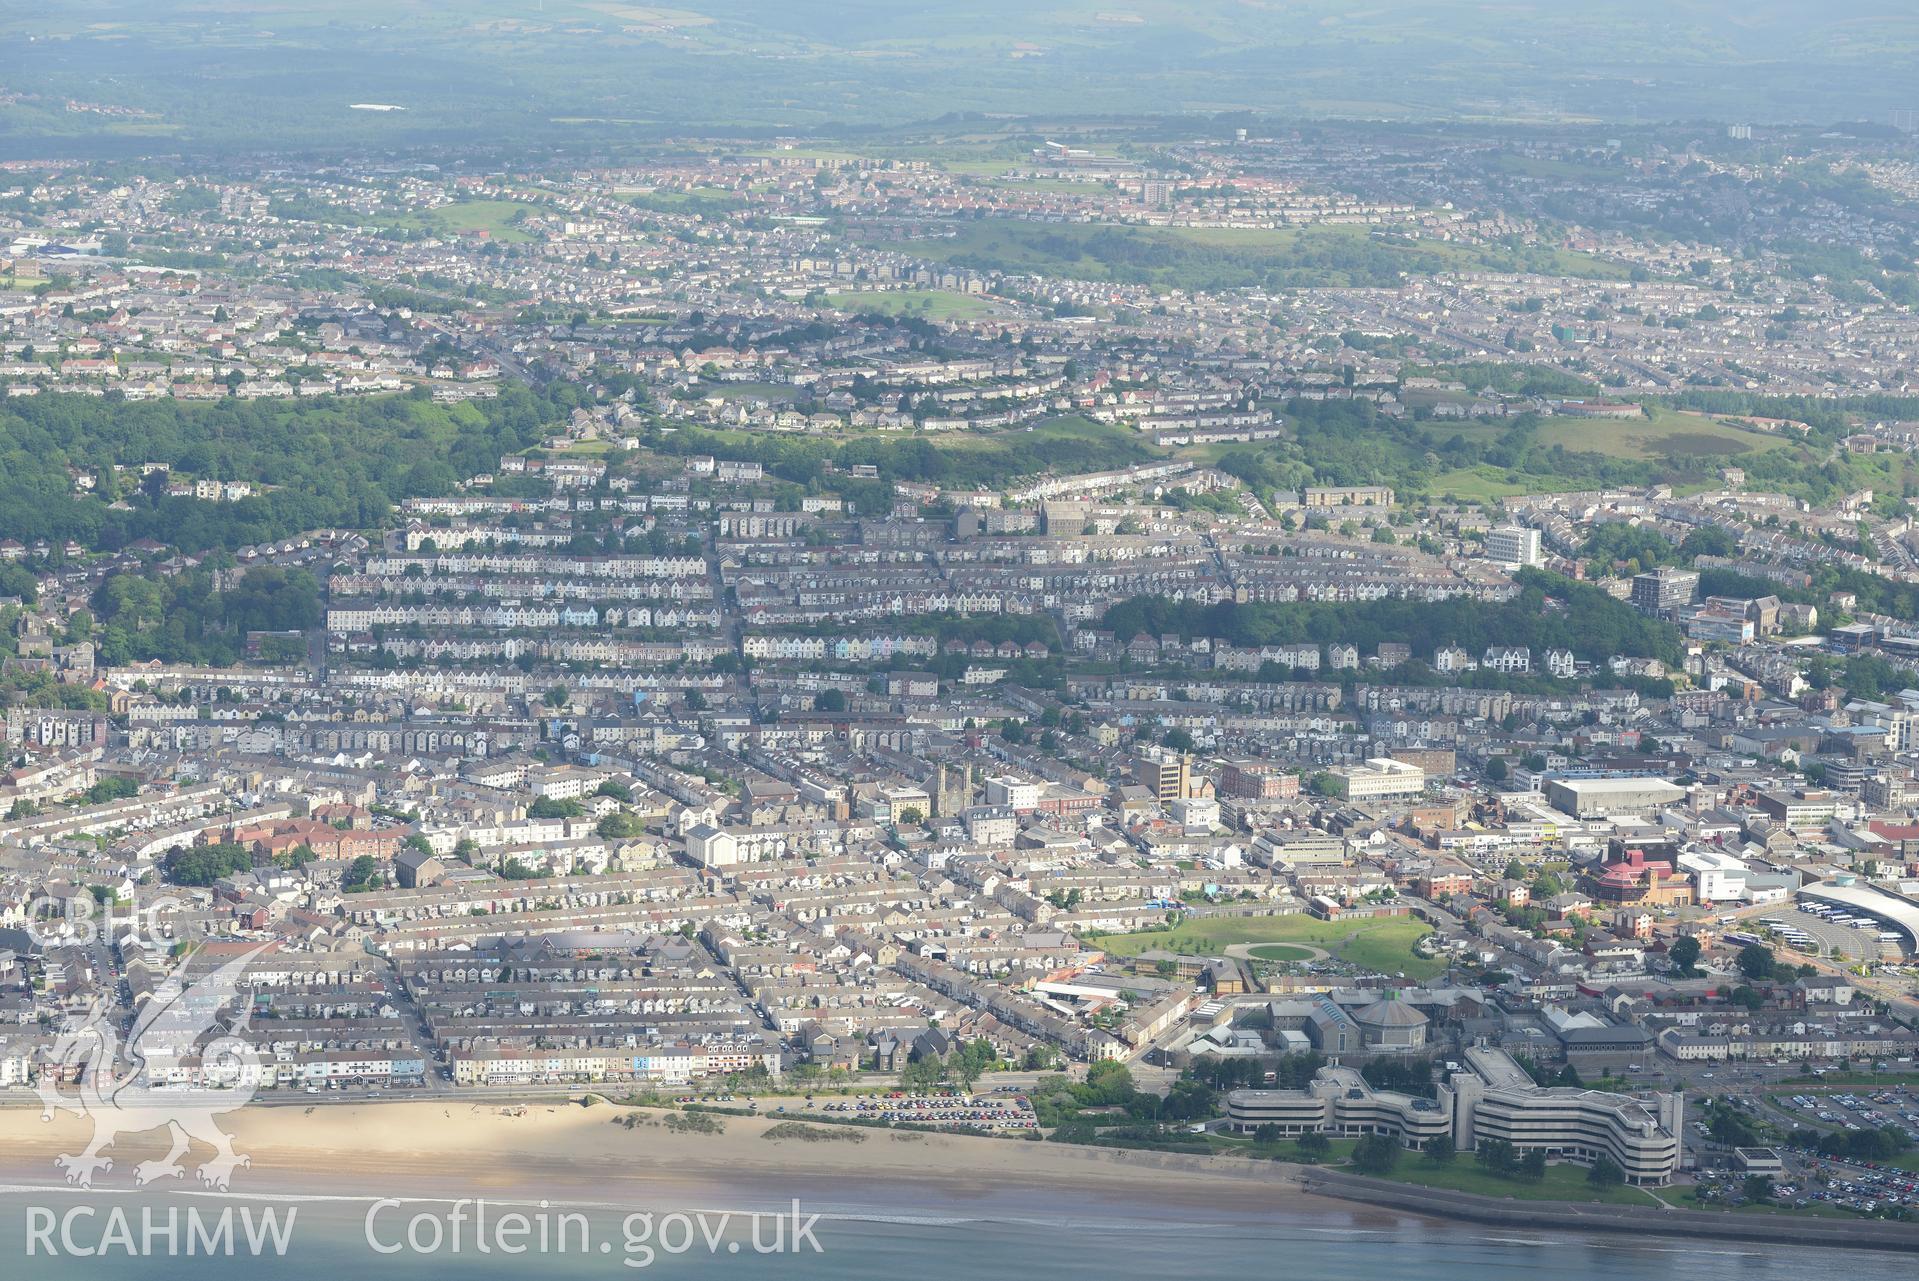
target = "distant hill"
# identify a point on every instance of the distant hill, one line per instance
(153, 75)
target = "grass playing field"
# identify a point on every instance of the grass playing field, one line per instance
(496, 218)
(1384, 945)
(929, 304)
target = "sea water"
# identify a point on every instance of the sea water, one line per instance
(73, 1235)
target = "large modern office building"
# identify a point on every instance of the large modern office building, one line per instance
(1337, 1101)
(1492, 1098)
(1497, 1099)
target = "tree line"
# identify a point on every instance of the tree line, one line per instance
(324, 462)
(1550, 612)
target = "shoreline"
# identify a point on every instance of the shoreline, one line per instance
(1569, 1216)
(575, 1153)
(587, 1157)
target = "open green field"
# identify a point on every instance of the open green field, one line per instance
(712, 201)
(1209, 453)
(1067, 427)
(691, 196)
(496, 218)
(1667, 434)
(1052, 186)
(1486, 483)
(1233, 257)
(929, 304)
(1338, 1151)
(1544, 167)
(1383, 945)
(1562, 1183)
(1476, 431)
(1835, 1080)
(750, 391)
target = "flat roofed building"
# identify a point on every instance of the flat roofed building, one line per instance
(1338, 1101)
(1611, 797)
(1166, 774)
(1664, 590)
(1016, 794)
(1379, 778)
(1493, 1098)
(1717, 876)
(1349, 496)
(1251, 779)
(1498, 1100)
(1799, 808)
(1513, 545)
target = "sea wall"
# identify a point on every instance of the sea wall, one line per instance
(1783, 1229)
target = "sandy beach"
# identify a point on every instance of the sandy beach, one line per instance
(570, 1153)
(575, 1157)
